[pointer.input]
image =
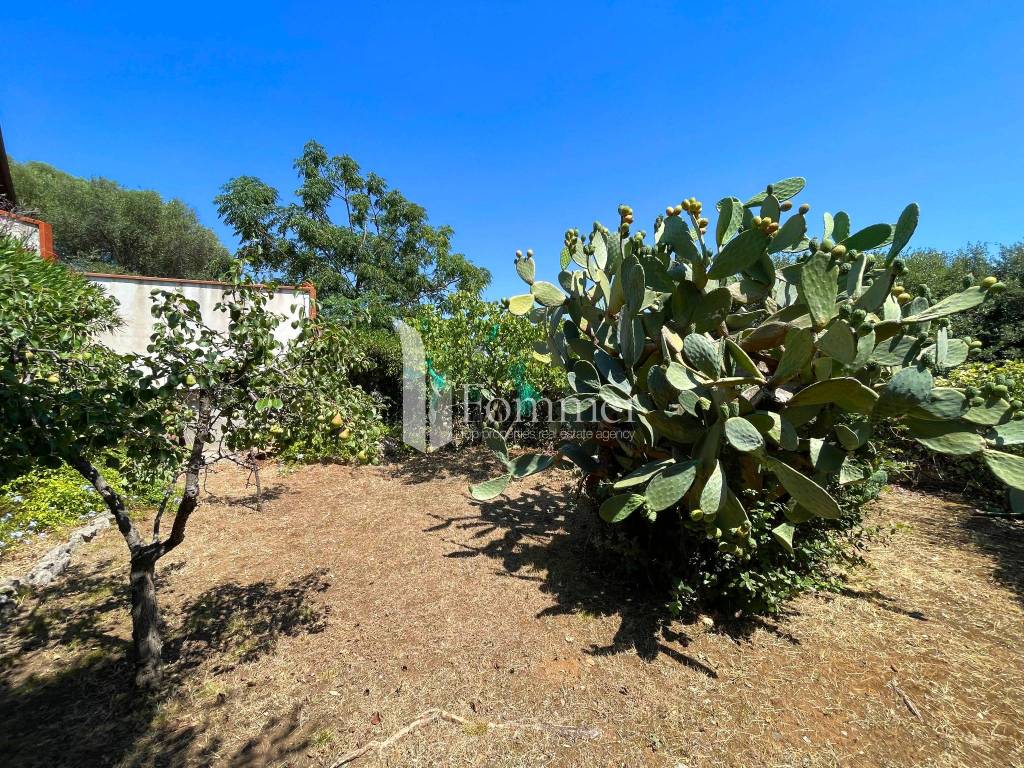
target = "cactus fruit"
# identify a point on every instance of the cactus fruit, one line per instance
(988, 282)
(723, 373)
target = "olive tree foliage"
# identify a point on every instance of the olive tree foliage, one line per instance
(197, 398)
(349, 233)
(99, 225)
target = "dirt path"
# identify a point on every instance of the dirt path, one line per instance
(363, 596)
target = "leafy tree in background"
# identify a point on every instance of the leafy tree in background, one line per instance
(998, 324)
(359, 241)
(98, 225)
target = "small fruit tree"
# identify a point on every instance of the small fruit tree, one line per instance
(199, 397)
(719, 376)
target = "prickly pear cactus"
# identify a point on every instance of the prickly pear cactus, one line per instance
(715, 372)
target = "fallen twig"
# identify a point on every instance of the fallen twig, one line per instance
(425, 718)
(906, 700)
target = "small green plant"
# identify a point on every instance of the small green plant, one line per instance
(714, 378)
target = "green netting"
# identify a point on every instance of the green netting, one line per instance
(437, 381)
(526, 393)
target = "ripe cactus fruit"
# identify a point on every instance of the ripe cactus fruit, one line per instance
(722, 373)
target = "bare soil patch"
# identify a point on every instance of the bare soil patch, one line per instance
(362, 597)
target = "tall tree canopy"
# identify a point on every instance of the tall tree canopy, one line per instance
(350, 234)
(101, 226)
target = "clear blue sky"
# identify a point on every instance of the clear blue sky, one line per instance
(512, 122)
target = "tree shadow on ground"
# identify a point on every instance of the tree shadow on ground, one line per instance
(540, 532)
(65, 675)
(1002, 538)
(471, 464)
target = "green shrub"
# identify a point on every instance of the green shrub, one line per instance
(483, 353)
(716, 384)
(54, 499)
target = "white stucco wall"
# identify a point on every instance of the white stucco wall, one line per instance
(27, 234)
(134, 299)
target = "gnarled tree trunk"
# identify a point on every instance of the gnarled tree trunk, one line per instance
(145, 621)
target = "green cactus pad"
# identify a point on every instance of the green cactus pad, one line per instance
(526, 268)
(668, 487)
(1010, 433)
(945, 404)
(618, 508)
(994, 411)
(797, 352)
(807, 493)
(790, 235)
(496, 442)
(739, 254)
(848, 393)
(547, 294)
(703, 354)
(951, 305)
(730, 216)
(783, 535)
(783, 190)
(1007, 467)
(839, 343)
(640, 477)
(950, 437)
(841, 226)
(712, 496)
(521, 305)
(909, 387)
(489, 489)
(742, 435)
(818, 288)
(905, 227)
(530, 463)
(676, 233)
(869, 238)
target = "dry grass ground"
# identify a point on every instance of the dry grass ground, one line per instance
(363, 596)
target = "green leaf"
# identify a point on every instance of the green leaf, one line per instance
(818, 288)
(1007, 467)
(807, 493)
(742, 435)
(488, 489)
(618, 508)
(614, 397)
(783, 534)
(848, 393)
(904, 231)
(671, 485)
(739, 254)
(869, 238)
